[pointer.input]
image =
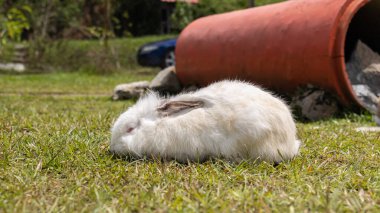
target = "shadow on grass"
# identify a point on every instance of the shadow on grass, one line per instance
(206, 161)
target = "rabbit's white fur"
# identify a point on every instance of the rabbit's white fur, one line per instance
(234, 120)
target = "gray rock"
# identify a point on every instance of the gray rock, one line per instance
(315, 104)
(166, 82)
(130, 90)
(365, 95)
(371, 77)
(363, 70)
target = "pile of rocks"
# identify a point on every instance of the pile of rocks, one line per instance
(363, 70)
(314, 103)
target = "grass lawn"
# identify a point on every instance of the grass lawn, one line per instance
(53, 158)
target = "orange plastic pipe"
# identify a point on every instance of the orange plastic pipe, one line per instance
(280, 46)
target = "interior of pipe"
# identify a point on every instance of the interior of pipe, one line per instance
(364, 26)
(362, 54)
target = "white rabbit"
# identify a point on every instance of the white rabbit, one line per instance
(229, 119)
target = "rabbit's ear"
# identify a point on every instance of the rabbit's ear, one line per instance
(173, 107)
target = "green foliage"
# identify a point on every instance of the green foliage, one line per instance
(208, 7)
(186, 13)
(14, 22)
(183, 15)
(142, 17)
(265, 2)
(54, 158)
(88, 55)
(51, 18)
(82, 55)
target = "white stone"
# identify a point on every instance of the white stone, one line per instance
(130, 90)
(18, 67)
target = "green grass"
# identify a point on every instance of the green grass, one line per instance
(62, 83)
(85, 55)
(54, 158)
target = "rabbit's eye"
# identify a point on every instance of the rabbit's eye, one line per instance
(130, 129)
(132, 126)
